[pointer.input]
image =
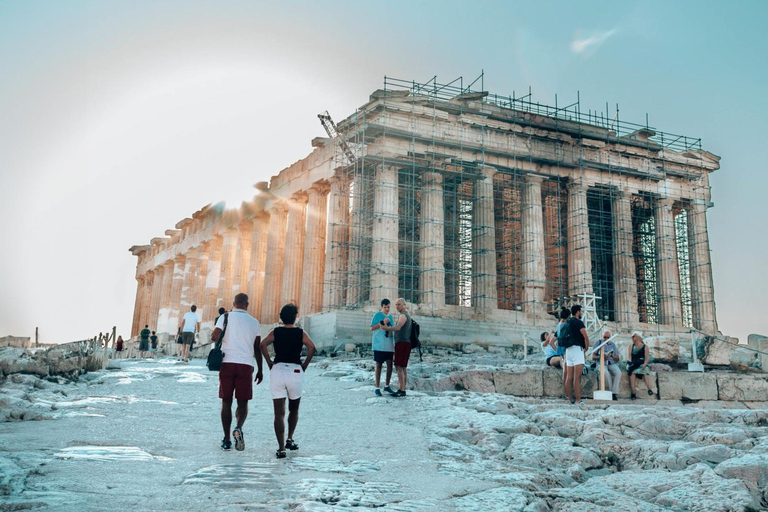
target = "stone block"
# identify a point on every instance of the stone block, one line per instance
(759, 342)
(742, 388)
(480, 381)
(663, 349)
(528, 382)
(743, 359)
(715, 351)
(552, 382)
(687, 386)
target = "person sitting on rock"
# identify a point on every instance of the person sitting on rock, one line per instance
(612, 371)
(550, 350)
(639, 357)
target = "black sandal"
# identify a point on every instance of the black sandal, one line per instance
(633, 396)
(290, 445)
(280, 454)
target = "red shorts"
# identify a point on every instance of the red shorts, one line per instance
(402, 353)
(236, 378)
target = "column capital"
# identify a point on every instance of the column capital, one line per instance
(487, 170)
(299, 197)
(432, 177)
(278, 208)
(534, 178)
(321, 187)
(577, 186)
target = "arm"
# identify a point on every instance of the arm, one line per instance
(257, 355)
(265, 343)
(307, 341)
(197, 327)
(586, 337)
(400, 323)
(215, 334)
(647, 357)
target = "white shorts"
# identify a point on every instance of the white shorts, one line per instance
(574, 356)
(286, 380)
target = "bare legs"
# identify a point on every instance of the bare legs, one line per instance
(226, 415)
(573, 381)
(377, 373)
(646, 378)
(402, 377)
(293, 419)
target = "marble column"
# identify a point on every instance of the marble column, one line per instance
(156, 292)
(579, 250)
(384, 251)
(258, 264)
(190, 283)
(702, 287)
(202, 274)
(294, 249)
(137, 306)
(670, 305)
(484, 292)
(432, 246)
(243, 258)
(336, 245)
(314, 249)
(273, 278)
(212, 275)
(164, 305)
(146, 299)
(357, 266)
(624, 270)
(534, 257)
(229, 238)
(174, 311)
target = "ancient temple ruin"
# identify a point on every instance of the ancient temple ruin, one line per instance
(485, 212)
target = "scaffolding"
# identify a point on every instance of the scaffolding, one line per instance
(645, 259)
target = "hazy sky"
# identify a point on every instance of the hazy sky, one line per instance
(120, 118)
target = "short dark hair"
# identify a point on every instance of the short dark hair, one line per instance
(544, 336)
(565, 313)
(146, 326)
(385, 302)
(193, 308)
(153, 332)
(289, 313)
(575, 309)
(241, 299)
(222, 311)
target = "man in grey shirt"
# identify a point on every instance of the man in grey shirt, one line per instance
(613, 373)
(402, 330)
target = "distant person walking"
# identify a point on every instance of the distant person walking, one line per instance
(190, 325)
(383, 345)
(119, 347)
(144, 341)
(576, 342)
(639, 357)
(240, 338)
(286, 373)
(402, 332)
(180, 344)
(612, 370)
(221, 312)
(152, 345)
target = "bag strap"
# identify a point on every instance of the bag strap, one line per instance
(221, 338)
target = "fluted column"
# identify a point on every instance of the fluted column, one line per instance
(258, 264)
(356, 264)
(624, 270)
(336, 248)
(146, 299)
(213, 274)
(432, 247)
(229, 239)
(175, 296)
(484, 293)
(156, 294)
(384, 252)
(137, 306)
(202, 274)
(190, 282)
(294, 249)
(534, 257)
(243, 257)
(702, 287)
(273, 278)
(164, 304)
(579, 250)
(670, 306)
(314, 249)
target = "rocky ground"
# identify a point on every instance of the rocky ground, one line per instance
(145, 436)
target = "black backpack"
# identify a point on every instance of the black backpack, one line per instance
(216, 356)
(415, 342)
(567, 338)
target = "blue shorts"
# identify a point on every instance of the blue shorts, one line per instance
(380, 356)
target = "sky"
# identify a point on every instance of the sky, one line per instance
(119, 119)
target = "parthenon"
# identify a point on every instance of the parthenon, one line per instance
(470, 205)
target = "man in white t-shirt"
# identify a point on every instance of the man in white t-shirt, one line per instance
(190, 325)
(240, 343)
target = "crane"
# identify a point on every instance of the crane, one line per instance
(333, 132)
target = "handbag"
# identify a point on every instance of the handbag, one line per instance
(216, 356)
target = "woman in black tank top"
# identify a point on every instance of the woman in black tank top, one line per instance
(286, 374)
(639, 357)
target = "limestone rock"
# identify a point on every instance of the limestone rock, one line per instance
(742, 387)
(715, 351)
(480, 381)
(541, 451)
(663, 349)
(743, 359)
(752, 469)
(350, 347)
(528, 382)
(687, 386)
(758, 342)
(472, 349)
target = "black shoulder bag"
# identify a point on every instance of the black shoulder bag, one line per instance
(216, 356)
